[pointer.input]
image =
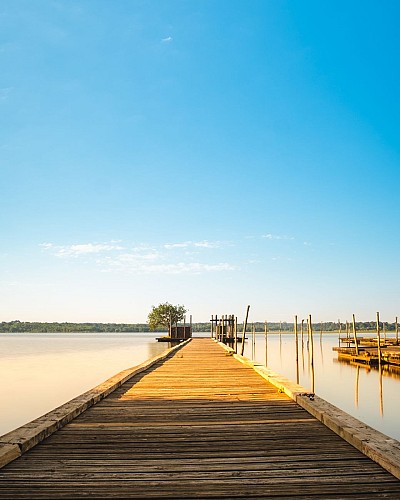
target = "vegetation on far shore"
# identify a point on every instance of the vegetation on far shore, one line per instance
(273, 327)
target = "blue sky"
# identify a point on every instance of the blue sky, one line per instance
(208, 153)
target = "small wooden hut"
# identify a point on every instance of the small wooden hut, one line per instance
(181, 332)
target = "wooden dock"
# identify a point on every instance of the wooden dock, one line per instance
(198, 424)
(370, 355)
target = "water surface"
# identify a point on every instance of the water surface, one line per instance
(39, 372)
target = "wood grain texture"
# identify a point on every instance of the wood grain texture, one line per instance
(198, 425)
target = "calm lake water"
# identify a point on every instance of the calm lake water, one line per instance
(39, 372)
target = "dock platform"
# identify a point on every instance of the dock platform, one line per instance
(198, 424)
(370, 355)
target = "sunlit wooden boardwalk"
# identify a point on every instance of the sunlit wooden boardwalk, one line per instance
(198, 425)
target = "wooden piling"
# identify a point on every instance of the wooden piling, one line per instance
(378, 333)
(236, 334)
(310, 332)
(355, 334)
(297, 348)
(244, 329)
(253, 342)
(266, 341)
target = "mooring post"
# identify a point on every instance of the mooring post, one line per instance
(297, 348)
(253, 342)
(310, 330)
(355, 334)
(244, 329)
(397, 332)
(378, 332)
(266, 341)
(236, 334)
(340, 330)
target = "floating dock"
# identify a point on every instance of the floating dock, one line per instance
(198, 422)
(370, 355)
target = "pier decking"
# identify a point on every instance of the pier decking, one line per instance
(199, 424)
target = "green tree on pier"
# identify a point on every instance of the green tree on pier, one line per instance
(165, 315)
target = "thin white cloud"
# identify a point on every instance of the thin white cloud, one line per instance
(142, 259)
(127, 258)
(177, 268)
(170, 246)
(270, 236)
(207, 244)
(80, 249)
(193, 244)
(168, 39)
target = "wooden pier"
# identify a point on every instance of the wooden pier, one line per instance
(198, 424)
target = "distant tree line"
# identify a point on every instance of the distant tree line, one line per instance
(330, 326)
(38, 327)
(276, 327)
